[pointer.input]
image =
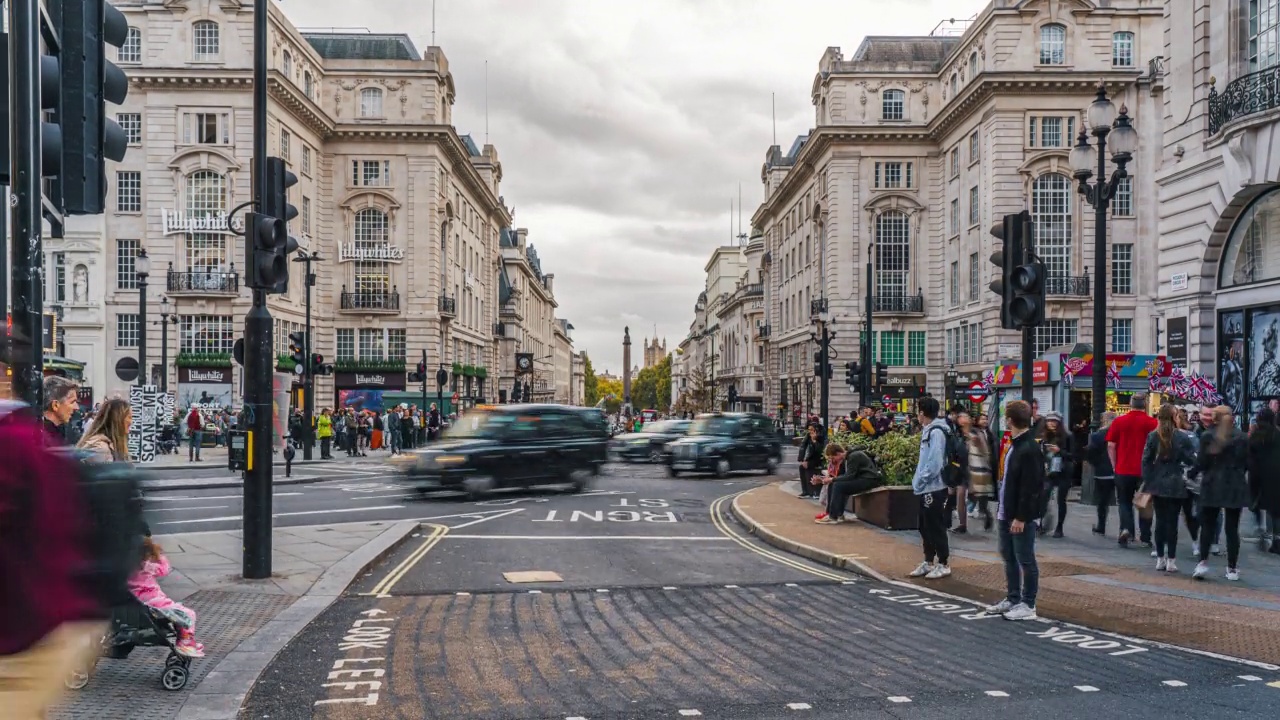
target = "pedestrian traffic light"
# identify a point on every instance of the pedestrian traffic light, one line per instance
(420, 374)
(268, 247)
(882, 374)
(276, 204)
(317, 361)
(298, 347)
(853, 373)
(1007, 257)
(88, 82)
(1021, 283)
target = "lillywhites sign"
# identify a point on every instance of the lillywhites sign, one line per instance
(173, 222)
(383, 253)
(204, 375)
(370, 379)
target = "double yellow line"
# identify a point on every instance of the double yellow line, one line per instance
(718, 519)
(383, 588)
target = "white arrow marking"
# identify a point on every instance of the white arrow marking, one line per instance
(879, 591)
(374, 612)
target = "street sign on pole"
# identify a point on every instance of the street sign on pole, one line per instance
(977, 391)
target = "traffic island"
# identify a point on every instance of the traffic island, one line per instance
(1079, 580)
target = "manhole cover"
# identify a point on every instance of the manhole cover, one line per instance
(532, 576)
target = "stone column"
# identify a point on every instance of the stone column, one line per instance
(626, 367)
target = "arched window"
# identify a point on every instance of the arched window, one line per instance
(206, 197)
(1252, 252)
(973, 66)
(893, 254)
(372, 277)
(371, 103)
(205, 40)
(286, 65)
(893, 105)
(955, 84)
(1053, 45)
(1051, 199)
(308, 84)
(1122, 49)
(131, 50)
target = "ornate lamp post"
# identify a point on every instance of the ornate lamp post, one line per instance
(1103, 122)
(142, 268)
(166, 318)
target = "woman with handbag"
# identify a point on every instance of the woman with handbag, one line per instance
(1224, 489)
(1164, 458)
(1059, 455)
(981, 486)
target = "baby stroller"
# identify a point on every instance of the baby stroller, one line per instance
(168, 442)
(136, 625)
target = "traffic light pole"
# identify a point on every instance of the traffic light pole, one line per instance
(308, 375)
(257, 343)
(868, 346)
(824, 382)
(26, 258)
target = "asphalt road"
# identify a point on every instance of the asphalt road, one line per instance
(646, 601)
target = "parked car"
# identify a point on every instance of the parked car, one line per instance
(726, 442)
(647, 445)
(511, 446)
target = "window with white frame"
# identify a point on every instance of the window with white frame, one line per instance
(1055, 333)
(373, 344)
(955, 162)
(287, 64)
(894, 174)
(893, 253)
(206, 196)
(1051, 202)
(1264, 34)
(974, 147)
(131, 124)
(206, 128)
(973, 276)
(306, 215)
(893, 105)
(205, 40)
(1053, 45)
(397, 347)
(285, 141)
(955, 84)
(973, 66)
(975, 208)
(59, 277)
(1122, 269)
(1122, 335)
(964, 344)
(955, 216)
(370, 173)
(127, 330)
(345, 347)
(130, 52)
(206, 334)
(1050, 131)
(306, 159)
(371, 102)
(308, 83)
(1122, 49)
(372, 232)
(1122, 201)
(955, 283)
(128, 191)
(126, 264)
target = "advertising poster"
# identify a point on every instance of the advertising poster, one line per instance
(1231, 361)
(361, 399)
(205, 388)
(1263, 364)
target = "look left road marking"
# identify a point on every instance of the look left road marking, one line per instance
(383, 588)
(369, 632)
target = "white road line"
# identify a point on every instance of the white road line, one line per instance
(495, 516)
(602, 590)
(205, 498)
(691, 713)
(383, 497)
(793, 584)
(186, 509)
(799, 706)
(899, 699)
(669, 587)
(1086, 688)
(575, 717)
(229, 518)
(535, 592)
(730, 587)
(1174, 683)
(997, 693)
(680, 538)
(462, 594)
(1250, 678)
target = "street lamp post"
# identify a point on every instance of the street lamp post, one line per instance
(949, 391)
(142, 268)
(308, 372)
(1103, 121)
(165, 318)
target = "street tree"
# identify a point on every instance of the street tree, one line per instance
(590, 383)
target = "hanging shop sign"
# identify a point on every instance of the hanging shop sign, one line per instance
(173, 222)
(352, 252)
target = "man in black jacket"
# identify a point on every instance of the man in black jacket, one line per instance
(1021, 482)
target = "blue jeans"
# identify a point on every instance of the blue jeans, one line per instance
(1020, 570)
(194, 440)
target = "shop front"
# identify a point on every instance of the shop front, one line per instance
(1127, 374)
(900, 392)
(965, 390)
(208, 388)
(1007, 386)
(365, 390)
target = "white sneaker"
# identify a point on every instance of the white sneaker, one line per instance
(999, 608)
(1155, 554)
(1171, 566)
(1215, 550)
(921, 570)
(1020, 612)
(1233, 575)
(1202, 569)
(1161, 564)
(939, 571)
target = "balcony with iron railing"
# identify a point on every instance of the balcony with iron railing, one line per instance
(203, 282)
(1067, 286)
(762, 331)
(1247, 95)
(898, 304)
(448, 306)
(369, 301)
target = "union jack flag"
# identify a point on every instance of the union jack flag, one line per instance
(1113, 375)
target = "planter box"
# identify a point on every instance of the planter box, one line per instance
(891, 508)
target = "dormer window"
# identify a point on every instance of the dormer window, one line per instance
(1053, 45)
(893, 105)
(371, 103)
(206, 41)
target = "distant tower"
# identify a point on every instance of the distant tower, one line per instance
(654, 352)
(626, 366)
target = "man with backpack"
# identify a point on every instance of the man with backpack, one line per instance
(939, 460)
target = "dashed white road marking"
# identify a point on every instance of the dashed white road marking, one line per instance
(691, 713)
(1275, 684)
(793, 584)
(575, 717)
(462, 594)
(799, 706)
(997, 693)
(899, 699)
(601, 590)
(1086, 688)
(673, 587)
(535, 592)
(1174, 683)
(231, 518)
(1250, 678)
(730, 587)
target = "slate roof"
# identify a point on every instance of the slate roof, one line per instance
(363, 46)
(471, 146)
(927, 49)
(507, 238)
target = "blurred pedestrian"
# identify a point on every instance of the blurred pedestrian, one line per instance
(1224, 489)
(811, 459)
(1059, 460)
(1164, 458)
(60, 403)
(1104, 475)
(1126, 439)
(1264, 474)
(195, 434)
(108, 438)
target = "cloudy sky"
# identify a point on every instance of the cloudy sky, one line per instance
(625, 129)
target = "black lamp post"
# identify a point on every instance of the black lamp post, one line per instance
(1103, 121)
(950, 390)
(142, 268)
(166, 318)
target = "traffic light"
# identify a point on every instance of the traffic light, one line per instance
(276, 205)
(817, 363)
(298, 348)
(853, 373)
(88, 82)
(420, 374)
(1007, 257)
(1021, 285)
(317, 362)
(882, 374)
(733, 395)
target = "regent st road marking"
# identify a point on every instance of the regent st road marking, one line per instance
(369, 632)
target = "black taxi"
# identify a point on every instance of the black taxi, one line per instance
(726, 442)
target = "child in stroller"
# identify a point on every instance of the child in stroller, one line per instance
(168, 442)
(145, 587)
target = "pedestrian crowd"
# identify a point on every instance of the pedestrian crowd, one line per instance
(1196, 468)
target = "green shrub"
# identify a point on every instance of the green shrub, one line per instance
(896, 453)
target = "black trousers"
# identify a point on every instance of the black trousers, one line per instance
(1209, 518)
(1104, 493)
(806, 481)
(933, 526)
(839, 493)
(1166, 530)
(324, 448)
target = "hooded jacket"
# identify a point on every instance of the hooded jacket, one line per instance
(933, 455)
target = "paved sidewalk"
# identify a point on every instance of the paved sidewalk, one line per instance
(243, 623)
(1083, 578)
(211, 458)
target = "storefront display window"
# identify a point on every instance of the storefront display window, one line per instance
(1252, 253)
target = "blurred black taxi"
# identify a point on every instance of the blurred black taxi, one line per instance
(647, 445)
(511, 446)
(726, 442)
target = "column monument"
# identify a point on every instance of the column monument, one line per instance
(626, 369)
